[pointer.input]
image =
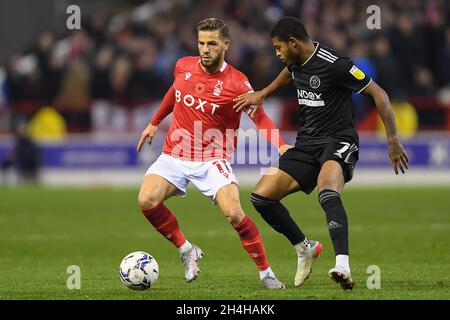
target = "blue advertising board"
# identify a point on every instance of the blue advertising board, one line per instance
(423, 152)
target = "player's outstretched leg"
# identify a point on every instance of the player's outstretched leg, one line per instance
(252, 243)
(165, 223)
(228, 200)
(269, 190)
(330, 180)
(154, 191)
(338, 228)
(276, 214)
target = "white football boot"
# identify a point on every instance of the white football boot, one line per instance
(341, 276)
(190, 260)
(310, 252)
(271, 282)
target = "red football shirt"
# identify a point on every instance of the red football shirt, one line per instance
(204, 121)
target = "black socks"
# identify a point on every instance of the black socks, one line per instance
(330, 201)
(277, 216)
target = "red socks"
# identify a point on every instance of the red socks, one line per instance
(252, 242)
(165, 222)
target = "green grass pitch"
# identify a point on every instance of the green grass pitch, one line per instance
(404, 231)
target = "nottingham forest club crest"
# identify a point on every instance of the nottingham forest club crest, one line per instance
(218, 88)
(314, 82)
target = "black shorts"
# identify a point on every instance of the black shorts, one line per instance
(303, 162)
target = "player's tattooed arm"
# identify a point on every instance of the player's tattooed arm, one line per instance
(397, 154)
(257, 98)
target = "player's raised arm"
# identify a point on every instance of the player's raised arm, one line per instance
(165, 108)
(397, 154)
(263, 122)
(257, 98)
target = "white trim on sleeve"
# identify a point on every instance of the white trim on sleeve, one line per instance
(365, 86)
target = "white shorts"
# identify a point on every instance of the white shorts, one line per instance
(208, 176)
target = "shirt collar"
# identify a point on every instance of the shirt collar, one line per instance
(222, 68)
(312, 54)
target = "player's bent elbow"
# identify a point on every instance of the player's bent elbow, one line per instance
(377, 92)
(381, 93)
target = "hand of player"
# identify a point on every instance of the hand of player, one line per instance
(147, 136)
(398, 156)
(254, 99)
(285, 147)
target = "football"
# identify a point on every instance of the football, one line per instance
(139, 270)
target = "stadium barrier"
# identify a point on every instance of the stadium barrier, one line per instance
(89, 160)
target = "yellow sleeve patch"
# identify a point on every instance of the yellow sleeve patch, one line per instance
(358, 74)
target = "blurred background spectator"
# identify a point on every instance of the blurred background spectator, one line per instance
(102, 77)
(23, 161)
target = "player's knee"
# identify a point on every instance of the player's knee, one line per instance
(234, 214)
(148, 200)
(256, 199)
(267, 192)
(259, 201)
(328, 183)
(260, 191)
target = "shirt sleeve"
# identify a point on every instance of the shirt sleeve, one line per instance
(177, 68)
(262, 121)
(168, 102)
(244, 86)
(165, 108)
(349, 76)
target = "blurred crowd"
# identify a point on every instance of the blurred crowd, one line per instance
(121, 62)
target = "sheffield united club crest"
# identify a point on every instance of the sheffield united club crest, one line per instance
(314, 82)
